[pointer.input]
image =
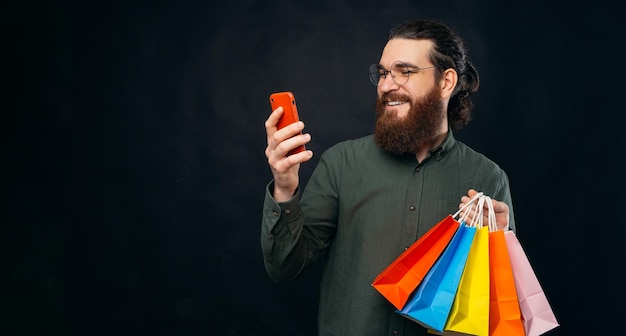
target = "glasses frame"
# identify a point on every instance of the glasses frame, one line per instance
(375, 70)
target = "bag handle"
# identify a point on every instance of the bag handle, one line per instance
(465, 215)
(477, 219)
(472, 200)
(491, 215)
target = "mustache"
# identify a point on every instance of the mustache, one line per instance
(393, 96)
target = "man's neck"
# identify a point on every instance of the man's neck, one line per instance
(428, 146)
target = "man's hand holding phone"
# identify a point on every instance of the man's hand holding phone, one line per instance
(285, 145)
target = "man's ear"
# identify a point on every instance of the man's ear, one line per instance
(448, 83)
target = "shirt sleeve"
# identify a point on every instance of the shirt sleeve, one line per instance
(503, 194)
(292, 241)
(281, 228)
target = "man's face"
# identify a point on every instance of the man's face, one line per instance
(411, 114)
(421, 124)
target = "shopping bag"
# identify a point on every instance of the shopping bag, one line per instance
(398, 280)
(537, 315)
(401, 277)
(430, 304)
(504, 311)
(470, 310)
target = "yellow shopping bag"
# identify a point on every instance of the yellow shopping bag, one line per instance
(470, 309)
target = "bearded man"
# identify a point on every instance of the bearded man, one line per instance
(370, 198)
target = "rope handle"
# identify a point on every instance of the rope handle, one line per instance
(491, 215)
(478, 214)
(472, 200)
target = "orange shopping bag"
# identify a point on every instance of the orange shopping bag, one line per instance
(504, 312)
(398, 280)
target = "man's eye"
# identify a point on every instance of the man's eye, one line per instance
(402, 70)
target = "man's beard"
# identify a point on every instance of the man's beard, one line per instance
(406, 135)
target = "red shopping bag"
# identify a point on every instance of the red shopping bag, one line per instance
(398, 280)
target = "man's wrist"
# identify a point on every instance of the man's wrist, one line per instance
(281, 195)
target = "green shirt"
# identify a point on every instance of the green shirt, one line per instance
(360, 210)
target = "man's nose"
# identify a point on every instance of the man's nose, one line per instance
(387, 83)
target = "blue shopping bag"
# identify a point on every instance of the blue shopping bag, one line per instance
(430, 303)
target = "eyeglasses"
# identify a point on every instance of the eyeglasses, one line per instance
(400, 72)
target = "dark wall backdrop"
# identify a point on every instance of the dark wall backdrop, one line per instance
(134, 173)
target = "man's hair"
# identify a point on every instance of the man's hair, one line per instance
(448, 52)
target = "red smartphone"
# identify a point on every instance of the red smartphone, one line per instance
(290, 112)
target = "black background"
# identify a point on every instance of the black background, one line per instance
(134, 172)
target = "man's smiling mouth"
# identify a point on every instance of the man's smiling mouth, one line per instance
(395, 102)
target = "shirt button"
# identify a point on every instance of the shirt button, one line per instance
(287, 212)
(412, 207)
(417, 169)
(275, 213)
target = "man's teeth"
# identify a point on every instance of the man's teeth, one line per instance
(394, 103)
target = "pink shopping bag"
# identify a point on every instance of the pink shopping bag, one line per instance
(537, 315)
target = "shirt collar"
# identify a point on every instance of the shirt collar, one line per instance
(445, 146)
(437, 153)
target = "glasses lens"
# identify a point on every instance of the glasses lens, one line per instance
(400, 73)
(375, 73)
